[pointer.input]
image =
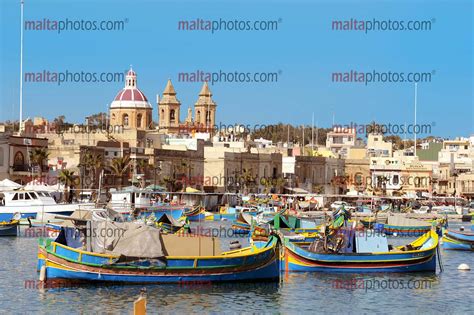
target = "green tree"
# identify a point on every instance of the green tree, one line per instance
(69, 179)
(120, 167)
(94, 163)
(98, 120)
(38, 157)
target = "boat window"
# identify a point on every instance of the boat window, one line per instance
(27, 196)
(33, 195)
(15, 197)
(21, 196)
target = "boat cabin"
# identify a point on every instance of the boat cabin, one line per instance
(129, 197)
(26, 198)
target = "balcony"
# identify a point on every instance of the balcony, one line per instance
(28, 168)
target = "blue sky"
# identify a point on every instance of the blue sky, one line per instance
(305, 51)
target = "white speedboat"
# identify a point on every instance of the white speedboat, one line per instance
(34, 205)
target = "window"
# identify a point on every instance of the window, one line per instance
(172, 115)
(417, 182)
(162, 116)
(139, 120)
(33, 195)
(125, 120)
(27, 196)
(19, 159)
(198, 116)
(395, 179)
(21, 196)
(15, 197)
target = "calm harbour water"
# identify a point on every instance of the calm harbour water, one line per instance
(449, 292)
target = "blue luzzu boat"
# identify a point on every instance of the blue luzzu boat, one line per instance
(402, 230)
(196, 214)
(172, 211)
(9, 228)
(401, 226)
(449, 243)
(420, 255)
(243, 224)
(460, 235)
(458, 240)
(9, 224)
(256, 263)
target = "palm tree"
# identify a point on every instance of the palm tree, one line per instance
(119, 167)
(37, 157)
(143, 167)
(247, 179)
(68, 178)
(93, 162)
(170, 182)
(183, 174)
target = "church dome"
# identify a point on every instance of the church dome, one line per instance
(130, 96)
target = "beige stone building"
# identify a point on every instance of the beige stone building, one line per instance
(319, 175)
(416, 177)
(15, 162)
(357, 174)
(377, 147)
(238, 169)
(465, 185)
(340, 140)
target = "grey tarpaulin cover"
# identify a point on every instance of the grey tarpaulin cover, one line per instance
(125, 238)
(400, 220)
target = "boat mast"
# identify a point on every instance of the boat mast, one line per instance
(20, 128)
(414, 127)
(312, 134)
(303, 139)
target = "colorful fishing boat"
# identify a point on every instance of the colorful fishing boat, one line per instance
(169, 225)
(197, 213)
(293, 224)
(243, 224)
(225, 213)
(9, 224)
(369, 222)
(458, 240)
(419, 255)
(9, 228)
(256, 263)
(402, 226)
(175, 211)
(449, 243)
(52, 230)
